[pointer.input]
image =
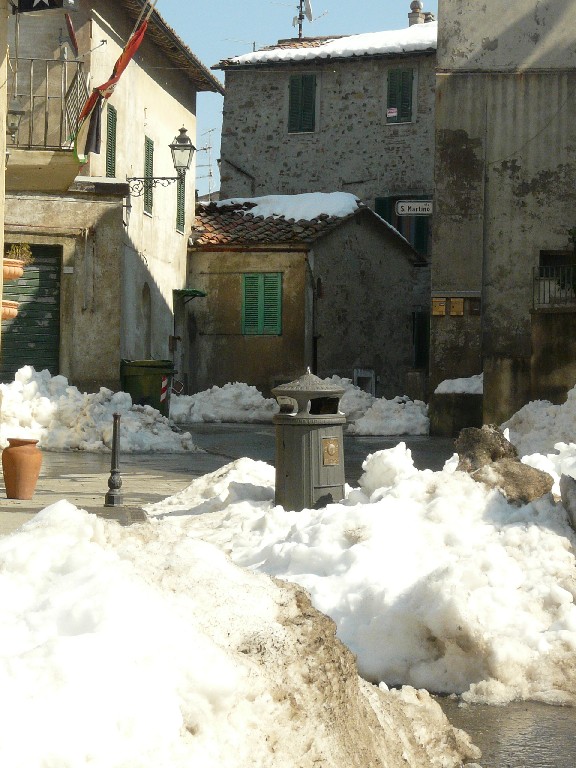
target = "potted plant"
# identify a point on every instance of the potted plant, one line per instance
(15, 259)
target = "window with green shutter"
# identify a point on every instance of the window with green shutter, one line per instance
(302, 104)
(180, 204)
(262, 304)
(416, 229)
(399, 101)
(148, 173)
(111, 120)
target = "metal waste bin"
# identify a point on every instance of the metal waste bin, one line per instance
(149, 382)
(309, 444)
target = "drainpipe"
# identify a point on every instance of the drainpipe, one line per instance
(4, 15)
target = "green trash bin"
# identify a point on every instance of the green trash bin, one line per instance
(149, 382)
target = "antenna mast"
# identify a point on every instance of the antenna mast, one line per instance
(207, 148)
(300, 17)
(304, 11)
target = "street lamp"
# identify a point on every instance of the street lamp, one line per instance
(182, 152)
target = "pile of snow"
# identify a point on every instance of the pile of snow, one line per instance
(232, 403)
(433, 580)
(472, 385)
(142, 647)
(61, 417)
(242, 403)
(399, 416)
(544, 436)
(419, 37)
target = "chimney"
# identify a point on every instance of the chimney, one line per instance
(416, 15)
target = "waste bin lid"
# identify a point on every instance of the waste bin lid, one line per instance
(308, 387)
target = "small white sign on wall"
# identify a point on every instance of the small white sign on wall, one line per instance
(414, 207)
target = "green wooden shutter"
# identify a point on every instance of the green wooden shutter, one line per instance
(148, 173)
(302, 104)
(33, 336)
(250, 304)
(405, 95)
(180, 204)
(400, 95)
(262, 304)
(111, 120)
(272, 309)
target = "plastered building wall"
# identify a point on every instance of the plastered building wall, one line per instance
(138, 258)
(217, 352)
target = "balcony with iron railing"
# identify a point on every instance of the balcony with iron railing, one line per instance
(45, 97)
(554, 287)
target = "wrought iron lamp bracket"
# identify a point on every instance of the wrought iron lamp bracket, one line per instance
(140, 185)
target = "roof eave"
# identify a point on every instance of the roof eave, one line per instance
(175, 49)
(228, 64)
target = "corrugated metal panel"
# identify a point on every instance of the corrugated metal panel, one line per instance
(33, 337)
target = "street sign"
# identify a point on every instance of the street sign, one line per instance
(414, 207)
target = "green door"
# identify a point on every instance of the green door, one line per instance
(33, 337)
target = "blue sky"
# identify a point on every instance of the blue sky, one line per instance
(224, 28)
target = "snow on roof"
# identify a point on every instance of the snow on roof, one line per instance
(304, 207)
(418, 37)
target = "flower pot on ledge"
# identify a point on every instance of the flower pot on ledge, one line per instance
(21, 463)
(9, 309)
(12, 269)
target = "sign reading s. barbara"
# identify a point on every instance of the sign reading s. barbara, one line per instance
(414, 207)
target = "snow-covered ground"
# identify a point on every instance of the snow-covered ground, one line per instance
(433, 580)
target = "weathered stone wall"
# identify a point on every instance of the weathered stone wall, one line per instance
(353, 149)
(364, 312)
(505, 166)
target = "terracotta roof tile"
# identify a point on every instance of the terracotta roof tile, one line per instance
(233, 224)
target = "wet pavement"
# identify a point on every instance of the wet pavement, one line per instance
(82, 478)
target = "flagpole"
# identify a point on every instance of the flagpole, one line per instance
(142, 12)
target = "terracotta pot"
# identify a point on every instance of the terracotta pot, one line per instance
(12, 269)
(21, 462)
(9, 309)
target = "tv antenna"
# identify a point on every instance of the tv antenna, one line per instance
(304, 12)
(208, 165)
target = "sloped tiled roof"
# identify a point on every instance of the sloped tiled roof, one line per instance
(175, 49)
(413, 40)
(231, 225)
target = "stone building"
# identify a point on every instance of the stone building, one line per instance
(106, 259)
(354, 114)
(503, 268)
(273, 293)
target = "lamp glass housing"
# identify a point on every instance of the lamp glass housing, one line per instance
(182, 152)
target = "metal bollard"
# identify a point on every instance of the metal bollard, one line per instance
(114, 496)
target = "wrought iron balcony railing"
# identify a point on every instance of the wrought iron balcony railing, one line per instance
(554, 286)
(50, 93)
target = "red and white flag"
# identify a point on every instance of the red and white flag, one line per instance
(88, 130)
